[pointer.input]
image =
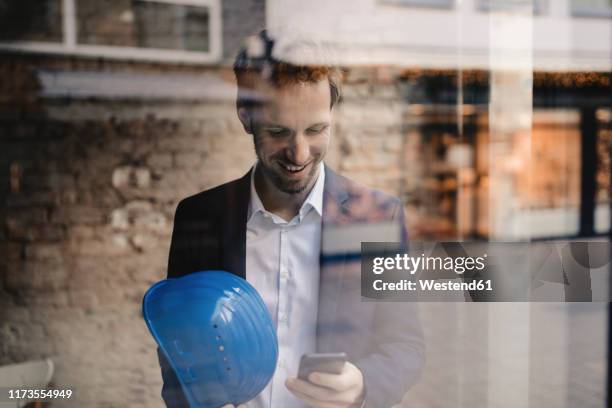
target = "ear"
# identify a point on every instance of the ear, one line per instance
(245, 119)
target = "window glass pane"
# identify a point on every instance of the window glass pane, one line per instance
(420, 3)
(603, 193)
(145, 24)
(510, 5)
(31, 20)
(594, 4)
(543, 168)
(592, 8)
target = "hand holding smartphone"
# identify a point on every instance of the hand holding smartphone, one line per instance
(331, 363)
(339, 380)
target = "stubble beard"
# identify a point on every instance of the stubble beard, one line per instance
(289, 186)
(277, 179)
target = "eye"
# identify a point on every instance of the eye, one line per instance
(277, 132)
(314, 130)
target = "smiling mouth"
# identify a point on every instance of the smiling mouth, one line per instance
(293, 169)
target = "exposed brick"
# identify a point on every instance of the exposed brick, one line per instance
(50, 316)
(85, 277)
(68, 197)
(39, 275)
(212, 128)
(86, 215)
(39, 251)
(120, 242)
(43, 232)
(11, 251)
(27, 216)
(58, 181)
(45, 275)
(155, 221)
(138, 206)
(84, 299)
(35, 332)
(121, 177)
(38, 198)
(12, 332)
(110, 299)
(189, 160)
(120, 219)
(160, 161)
(142, 177)
(186, 143)
(109, 246)
(18, 314)
(144, 241)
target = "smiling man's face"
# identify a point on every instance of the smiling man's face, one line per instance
(292, 131)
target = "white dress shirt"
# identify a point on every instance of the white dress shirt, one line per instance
(282, 263)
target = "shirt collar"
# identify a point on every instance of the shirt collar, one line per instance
(314, 200)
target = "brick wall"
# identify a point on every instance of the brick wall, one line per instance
(88, 189)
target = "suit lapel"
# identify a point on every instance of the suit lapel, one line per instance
(233, 248)
(332, 263)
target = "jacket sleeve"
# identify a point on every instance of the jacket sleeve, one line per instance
(179, 258)
(397, 351)
(172, 391)
(178, 264)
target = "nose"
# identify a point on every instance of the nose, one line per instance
(298, 150)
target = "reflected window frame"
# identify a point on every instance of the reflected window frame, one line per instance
(593, 11)
(434, 4)
(70, 45)
(540, 7)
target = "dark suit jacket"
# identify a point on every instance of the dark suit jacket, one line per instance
(383, 339)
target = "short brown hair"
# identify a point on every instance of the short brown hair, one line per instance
(280, 73)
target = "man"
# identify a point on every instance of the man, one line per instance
(290, 226)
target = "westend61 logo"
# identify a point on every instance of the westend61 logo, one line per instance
(486, 271)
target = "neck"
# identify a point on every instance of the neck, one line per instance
(285, 205)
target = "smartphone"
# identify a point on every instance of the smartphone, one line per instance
(331, 363)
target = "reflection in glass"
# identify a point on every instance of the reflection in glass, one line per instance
(592, 8)
(31, 20)
(144, 24)
(513, 5)
(603, 196)
(421, 3)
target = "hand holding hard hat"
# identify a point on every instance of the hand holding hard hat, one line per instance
(217, 334)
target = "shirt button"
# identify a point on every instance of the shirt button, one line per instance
(284, 274)
(281, 363)
(283, 318)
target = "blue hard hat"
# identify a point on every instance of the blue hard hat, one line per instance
(217, 334)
